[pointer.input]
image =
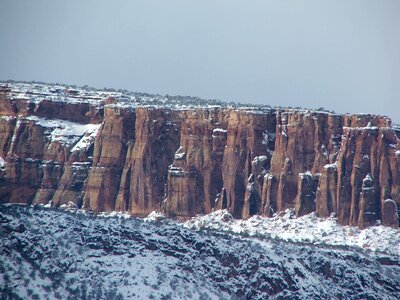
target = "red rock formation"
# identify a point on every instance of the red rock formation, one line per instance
(80, 112)
(390, 216)
(366, 150)
(191, 161)
(250, 134)
(34, 152)
(306, 189)
(110, 149)
(144, 174)
(368, 213)
(304, 142)
(326, 202)
(194, 178)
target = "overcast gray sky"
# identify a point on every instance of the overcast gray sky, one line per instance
(343, 54)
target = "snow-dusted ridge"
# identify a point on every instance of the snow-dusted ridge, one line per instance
(75, 254)
(38, 91)
(308, 229)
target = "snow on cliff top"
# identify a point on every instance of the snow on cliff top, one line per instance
(37, 92)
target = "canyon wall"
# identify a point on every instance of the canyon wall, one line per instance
(95, 153)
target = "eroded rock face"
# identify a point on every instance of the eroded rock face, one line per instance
(366, 150)
(194, 177)
(105, 156)
(145, 170)
(368, 212)
(110, 149)
(305, 199)
(390, 216)
(249, 135)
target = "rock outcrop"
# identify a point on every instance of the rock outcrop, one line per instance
(106, 151)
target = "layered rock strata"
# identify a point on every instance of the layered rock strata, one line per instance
(106, 151)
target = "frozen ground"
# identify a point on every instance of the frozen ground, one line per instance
(49, 254)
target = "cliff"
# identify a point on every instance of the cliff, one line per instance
(107, 150)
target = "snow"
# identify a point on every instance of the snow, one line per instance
(219, 130)
(367, 178)
(176, 171)
(7, 118)
(180, 154)
(306, 229)
(113, 214)
(37, 92)
(64, 263)
(260, 159)
(364, 128)
(154, 216)
(17, 125)
(48, 253)
(66, 132)
(331, 166)
(265, 138)
(324, 151)
(306, 174)
(218, 133)
(88, 139)
(2, 163)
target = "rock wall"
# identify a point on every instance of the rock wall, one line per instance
(186, 161)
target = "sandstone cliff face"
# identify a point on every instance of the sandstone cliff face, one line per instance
(33, 160)
(250, 137)
(145, 170)
(195, 176)
(108, 159)
(95, 153)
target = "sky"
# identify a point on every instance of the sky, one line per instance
(343, 55)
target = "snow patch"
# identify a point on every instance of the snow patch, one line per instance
(219, 130)
(367, 178)
(260, 159)
(66, 132)
(331, 166)
(88, 139)
(266, 136)
(176, 171)
(115, 214)
(180, 154)
(154, 216)
(2, 163)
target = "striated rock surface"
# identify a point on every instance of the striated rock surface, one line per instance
(390, 216)
(110, 149)
(115, 150)
(305, 199)
(194, 177)
(250, 134)
(144, 175)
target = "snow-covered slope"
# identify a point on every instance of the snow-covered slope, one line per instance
(308, 229)
(47, 254)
